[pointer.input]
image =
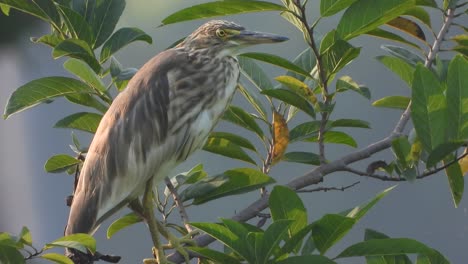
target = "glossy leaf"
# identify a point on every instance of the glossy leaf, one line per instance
(329, 229)
(350, 123)
(428, 108)
(26, 6)
(336, 137)
(230, 182)
(442, 151)
(285, 204)
(345, 83)
(86, 99)
(302, 157)
(77, 25)
(238, 116)
(86, 74)
(51, 40)
(316, 259)
(81, 242)
(50, 9)
(254, 73)
(216, 256)
(227, 148)
(407, 26)
(275, 60)
(455, 179)
(220, 8)
(82, 121)
(404, 54)
(457, 95)
(78, 49)
(304, 131)
(397, 102)
(384, 34)
(122, 38)
(298, 87)
(105, 18)
(354, 22)
(280, 136)
(388, 247)
(57, 258)
(41, 90)
(331, 7)
(398, 66)
(60, 163)
(291, 98)
(121, 223)
(338, 55)
(236, 139)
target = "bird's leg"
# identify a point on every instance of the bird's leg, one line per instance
(153, 224)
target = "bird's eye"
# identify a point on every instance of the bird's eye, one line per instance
(221, 33)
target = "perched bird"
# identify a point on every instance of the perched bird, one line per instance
(166, 113)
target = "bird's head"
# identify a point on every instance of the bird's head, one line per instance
(224, 37)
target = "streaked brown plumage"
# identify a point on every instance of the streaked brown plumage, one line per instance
(166, 112)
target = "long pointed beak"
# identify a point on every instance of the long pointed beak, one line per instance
(252, 37)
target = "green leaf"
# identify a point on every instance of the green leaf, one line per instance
(428, 108)
(87, 99)
(336, 137)
(230, 182)
(291, 98)
(220, 8)
(331, 7)
(275, 60)
(239, 117)
(359, 211)
(398, 66)
(251, 97)
(121, 223)
(10, 255)
(294, 243)
(407, 26)
(350, 123)
(5, 9)
(384, 34)
(408, 56)
(57, 258)
(60, 163)
(122, 38)
(442, 151)
(106, 15)
(355, 22)
(216, 256)
(372, 234)
(77, 25)
(50, 39)
(227, 148)
(457, 95)
(345, 83)
(316, 259)
(456, 180)
(272, 237)
(329, 229)
(42, 90)
(450, 4)
(338, 55)
(298, 87)
(78, 49)
(294, 20)
(306, 61)
(285, 204)
(402, 150)
(85, 73)
(397, 102)
(81, 242)
(304, 131)
(387, 247)
(84, 121)
(430, 3)
(236, 139)
(254, 73)
(302, 157)
(50, 9)
(421, 14)
(28, 7)
(25, 236)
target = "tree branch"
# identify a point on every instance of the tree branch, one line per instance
(326, 189)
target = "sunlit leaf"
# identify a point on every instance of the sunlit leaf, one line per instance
(240, 117)
(49, 39)
(345, 83)
(298, 87)
(86, 74)
(82, 121)
(397, 102)
(220, 8)
(78, 49)
(81, 242)
(121, 223)
(280, 136)
(41, 90)
(398, 66)
(57, 258)
(336, 137)
(236, 139)
(60, 163)
(227, 148)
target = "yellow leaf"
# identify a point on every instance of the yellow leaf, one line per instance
(298, 87)
(464, 163)
(408, 26)
(280, 136)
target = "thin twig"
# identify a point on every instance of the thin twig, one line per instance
(326, 189)
(179, 204)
